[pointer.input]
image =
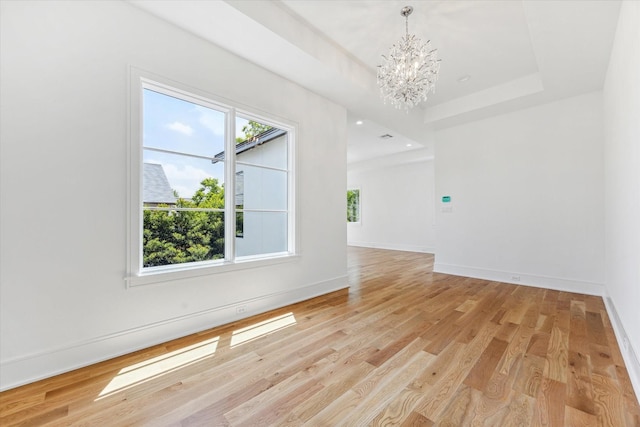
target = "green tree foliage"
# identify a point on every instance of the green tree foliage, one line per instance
(179, 236)
(353, 205)
(251, 130)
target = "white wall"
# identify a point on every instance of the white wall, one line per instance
(396, 206)
(527, 198)
(63, 302)
(622, 181)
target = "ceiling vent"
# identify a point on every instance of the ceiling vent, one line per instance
(386, 136)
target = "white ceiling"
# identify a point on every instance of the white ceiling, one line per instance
(467, 35)
(517, 54)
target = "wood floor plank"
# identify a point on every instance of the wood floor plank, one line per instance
(631, 400)
(608, 402)
(576, 418)
(500, 385)
(443, 332)
(417, 420)
(545, 322)
(481, 372)
(601, 362)
(516, 348)
(305, 411)
(437, 397)
(461, 408)
(549, 407)
(539, 344)
(381, 398)
(579, 388)
(398, 409)
(403, 346)
(275, 410)
(507, 331)
(595, 329)
(52, 416)
(530, 375)
(557, 355)
(395, 346)
(519, 411)
(345, 404)
(439, 367)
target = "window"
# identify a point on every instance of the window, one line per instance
(353, 205)
(214, 185)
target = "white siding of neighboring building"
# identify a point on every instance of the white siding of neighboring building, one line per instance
(264, 232)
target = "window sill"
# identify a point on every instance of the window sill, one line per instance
(176, 273)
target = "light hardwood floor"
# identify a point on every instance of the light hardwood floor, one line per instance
(403, 346)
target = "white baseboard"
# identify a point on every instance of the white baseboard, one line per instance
(394, 247)
(629, 354)
(555, 283)
(44, 364)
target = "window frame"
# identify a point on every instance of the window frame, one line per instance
(137, 274)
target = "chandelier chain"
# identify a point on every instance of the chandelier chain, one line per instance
(406, 24)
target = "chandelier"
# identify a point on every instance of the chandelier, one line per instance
(410, 70)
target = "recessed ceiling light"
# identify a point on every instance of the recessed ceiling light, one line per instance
(359, 122)
(464, 78)
(408, 145)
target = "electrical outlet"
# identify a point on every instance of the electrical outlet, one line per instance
(515, 278)
(241, 309)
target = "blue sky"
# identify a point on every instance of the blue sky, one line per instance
(177, 125)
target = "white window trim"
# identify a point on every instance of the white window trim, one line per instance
(136, 275)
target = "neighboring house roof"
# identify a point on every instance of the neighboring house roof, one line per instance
(156, 188)
(262, 138)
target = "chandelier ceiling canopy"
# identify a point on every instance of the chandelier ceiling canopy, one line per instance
(410, 70)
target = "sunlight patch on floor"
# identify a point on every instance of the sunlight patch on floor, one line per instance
(144, 371)
(257, 330)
